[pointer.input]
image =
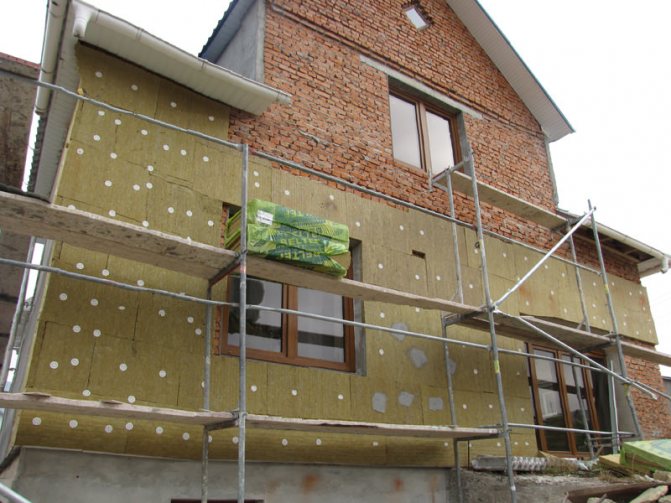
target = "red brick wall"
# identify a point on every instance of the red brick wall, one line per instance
(653, 415)
(312, 51)
(339, 123)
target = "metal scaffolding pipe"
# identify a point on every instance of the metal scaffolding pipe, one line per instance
(545, 257)
(492, 334)
(563, 428)
(613, 318)
(453, 413)
(242, 404)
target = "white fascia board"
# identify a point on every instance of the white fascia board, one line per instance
(132, 43)
(553, 123)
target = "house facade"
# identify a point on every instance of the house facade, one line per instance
(383, 95)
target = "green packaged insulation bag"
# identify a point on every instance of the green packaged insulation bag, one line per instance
(653, 454)
(287, 235)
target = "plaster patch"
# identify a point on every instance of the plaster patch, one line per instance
(405, 398)
(418, 357)
(399, 326)
(379, 402)
(436, 403)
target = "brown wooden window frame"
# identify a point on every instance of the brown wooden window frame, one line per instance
(591, 410)
(289, 344)
(421, 108)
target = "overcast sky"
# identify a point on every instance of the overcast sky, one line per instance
(605, 63)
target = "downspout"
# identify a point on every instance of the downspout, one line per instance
(53, 29)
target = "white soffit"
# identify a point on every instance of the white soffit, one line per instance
(509, 63)
(129, 42)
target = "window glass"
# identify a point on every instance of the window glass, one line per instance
(552, 411)
(264, 328)
(404, 131)
(316, 338)
(440, 142)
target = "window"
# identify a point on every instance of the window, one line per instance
(556, 400)
(423, 136)
(286, 338)
(417, 15)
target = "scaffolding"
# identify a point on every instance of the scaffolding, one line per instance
(26, 214)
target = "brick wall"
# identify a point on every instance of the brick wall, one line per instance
(653, 415)
(338, 121)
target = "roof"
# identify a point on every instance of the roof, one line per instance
(73, 21)
(552, 121)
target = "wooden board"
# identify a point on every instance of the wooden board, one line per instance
(365, 428)
(50, 403)
(577, 339)
(500, 199)
(33, 217)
